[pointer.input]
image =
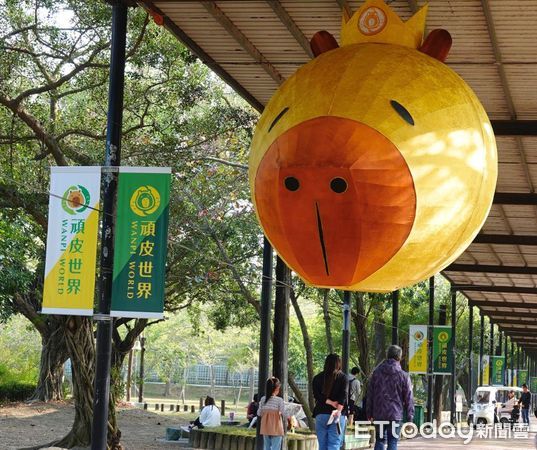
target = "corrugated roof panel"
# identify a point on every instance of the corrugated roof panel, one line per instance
(516, 31)
(486, 83)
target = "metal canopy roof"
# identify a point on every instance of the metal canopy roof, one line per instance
(255, 45)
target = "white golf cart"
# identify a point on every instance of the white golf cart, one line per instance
(488, 405)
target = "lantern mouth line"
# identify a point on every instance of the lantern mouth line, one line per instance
(321, 238)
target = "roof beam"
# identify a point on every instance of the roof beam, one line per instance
(500, 304)
(515, 198)
(514, 127)
(290, 24)
(494, 315)
(508, 239)
(488, 268)
(242, 40)
(516, 332)
(413, 5)
(500, 321)
(172, 27)
(345, 7)
(488, 288)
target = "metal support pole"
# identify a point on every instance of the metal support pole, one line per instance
(142, 370)
(395, 318)
(101, 393)
(453, 380)
(512, 363)
(264, 338)
(470, 354)
(430, 351)
(481, 347)
(491, 353)
(518, 367)
(346, 334)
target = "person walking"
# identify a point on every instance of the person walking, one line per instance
(354, 394)
(389, 394)
(525, 401)
(272, 412)
(330, 390)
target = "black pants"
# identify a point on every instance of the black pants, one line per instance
(197, 423)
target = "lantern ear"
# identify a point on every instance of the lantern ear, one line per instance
(322, 41)
(437, 44)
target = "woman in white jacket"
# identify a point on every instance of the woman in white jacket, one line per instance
(210, 415)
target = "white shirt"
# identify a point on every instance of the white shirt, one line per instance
(210, 416)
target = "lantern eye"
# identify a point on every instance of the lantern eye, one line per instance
(292, 184)
(402, 111)
(278, 117)
(338, 185)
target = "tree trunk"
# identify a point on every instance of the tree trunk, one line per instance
(167, 388)
(53, 356)
(79, 339)
(380, 334)
(300, 397)
(307, 347)
(239, 393)
(213, 382)
(251, 386)
(327, 321)
(360, 324)
(183, 385)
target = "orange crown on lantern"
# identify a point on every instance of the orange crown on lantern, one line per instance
(377, 22)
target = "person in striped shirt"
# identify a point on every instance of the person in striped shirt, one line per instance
(272, 413)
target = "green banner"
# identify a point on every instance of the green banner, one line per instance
(533, 385)
(522, 377)
(442, 350)
(140, 242)
(497, 366)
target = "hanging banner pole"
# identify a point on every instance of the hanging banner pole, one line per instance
(101, 394)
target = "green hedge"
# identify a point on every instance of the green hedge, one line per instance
(14, 391)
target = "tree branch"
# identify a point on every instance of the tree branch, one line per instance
(33, 203)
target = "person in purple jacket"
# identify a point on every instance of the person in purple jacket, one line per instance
(389, 393)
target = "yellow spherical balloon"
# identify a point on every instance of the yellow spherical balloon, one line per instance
(372, 168)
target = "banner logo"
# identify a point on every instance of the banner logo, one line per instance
(145, 201)
(443, 336)
(75, 199)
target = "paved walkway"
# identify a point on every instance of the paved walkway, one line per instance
(440, 444)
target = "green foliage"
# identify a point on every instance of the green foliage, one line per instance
(21, 347)
(15, 391)
(118, 385)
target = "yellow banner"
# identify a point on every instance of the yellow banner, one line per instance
(417, 351)
(486, 369)
(73, 225)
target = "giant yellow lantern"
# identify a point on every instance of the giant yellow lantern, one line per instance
(374, 166)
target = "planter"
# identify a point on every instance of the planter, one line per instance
(211, 441)
(203, 439)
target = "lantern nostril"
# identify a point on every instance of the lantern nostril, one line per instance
(338, 185)
(292, 184)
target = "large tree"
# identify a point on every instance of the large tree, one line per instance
(53, 90)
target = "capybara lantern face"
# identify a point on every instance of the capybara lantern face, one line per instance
(374, 165)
